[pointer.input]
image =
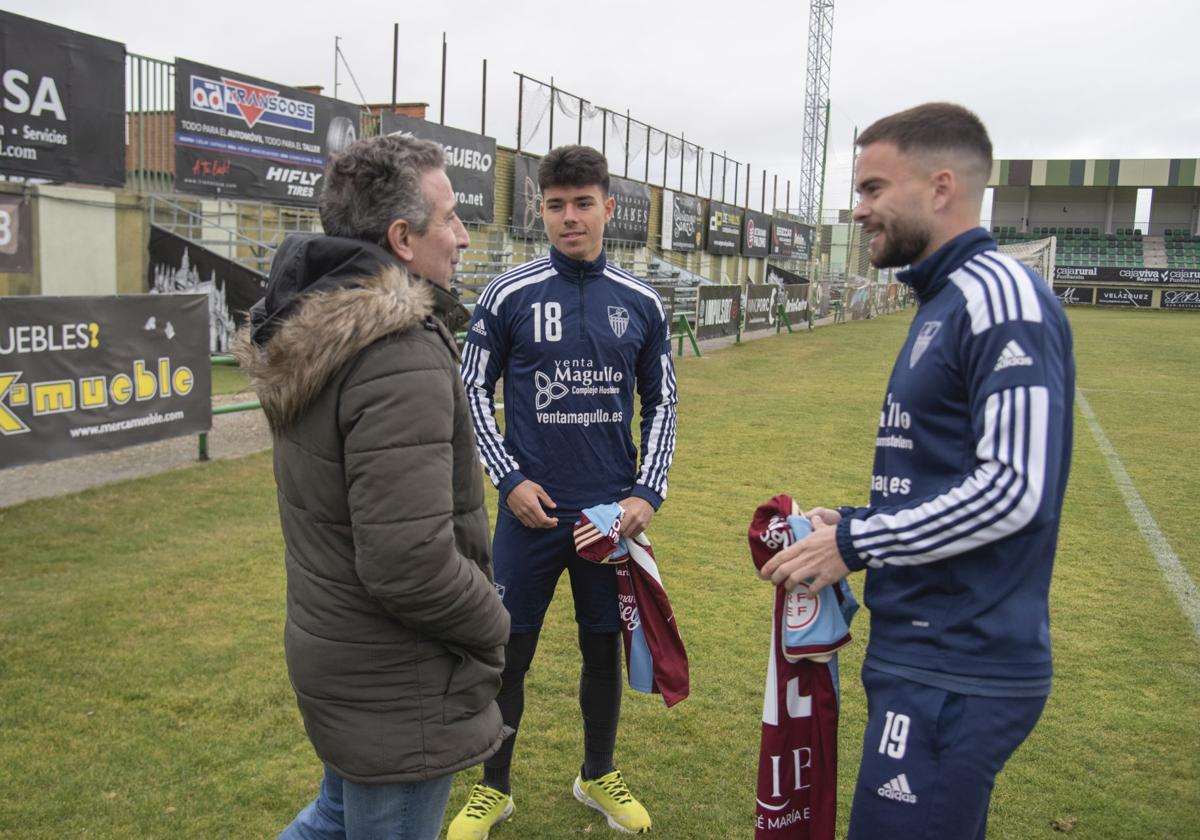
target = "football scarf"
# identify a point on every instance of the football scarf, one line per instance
(797, 763)
(655, 659)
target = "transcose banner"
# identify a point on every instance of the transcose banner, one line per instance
(63, 113)
(470, 162)
(88, 374)
(241, 137)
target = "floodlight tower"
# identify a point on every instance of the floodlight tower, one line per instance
(816, 102)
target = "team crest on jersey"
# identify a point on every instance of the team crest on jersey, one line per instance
(924, 339)
(618, 319)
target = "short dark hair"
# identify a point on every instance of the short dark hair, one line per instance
(934, 127)
(573, 166)
(376, 181)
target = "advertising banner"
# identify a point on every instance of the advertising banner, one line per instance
(667, 293)
(63, 113)
(795, 302)
(724, 228)
(1180, 299)
(179, 267)
(470, 162)
(1112, 274)
(717, 311)
(1124, 297)
(631, 218)
(782, 277)
(791, 240)
(16, 234)
(527, 198)
(683, 222)
(244, 138)
(88, 374)
(761, 300)
(858, 298)
(1075, 295)
(755, 234)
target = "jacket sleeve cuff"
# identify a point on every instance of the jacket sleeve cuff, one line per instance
(641, 491)
(507, 484)
(850, 556)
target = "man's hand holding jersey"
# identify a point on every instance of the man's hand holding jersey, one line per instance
(638, 513)
(814, 560)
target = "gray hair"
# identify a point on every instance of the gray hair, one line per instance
(376, 181)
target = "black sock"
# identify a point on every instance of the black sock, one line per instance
(518, 655)
(599, 700)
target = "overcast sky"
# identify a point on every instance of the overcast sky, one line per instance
(1050, 78)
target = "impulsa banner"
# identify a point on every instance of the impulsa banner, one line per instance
(717, 311)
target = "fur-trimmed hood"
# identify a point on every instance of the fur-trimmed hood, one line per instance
(327, 299)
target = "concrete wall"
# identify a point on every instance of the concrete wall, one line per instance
(86, 241)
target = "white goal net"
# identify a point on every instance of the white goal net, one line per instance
(1037, 254)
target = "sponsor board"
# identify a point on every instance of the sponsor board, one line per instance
(89, 374)
(1180, 299)
(1075, 295)
(178, 267)
(526, 198)
(683, 222)
(62, 107)
(724, 228)
(631, 217)
(755, 234)
(761, 302)
(240, 137)
(16, 234)
(470, 162)
(1111, 274)
(791, 240)
(1124, 297)
(717, 311)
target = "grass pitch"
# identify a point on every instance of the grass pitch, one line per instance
(143, 691)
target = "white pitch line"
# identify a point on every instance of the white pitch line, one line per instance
(1182, 586)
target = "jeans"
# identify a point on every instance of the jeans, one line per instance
(346, 810)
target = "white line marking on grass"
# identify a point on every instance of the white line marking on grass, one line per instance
(1177, 577)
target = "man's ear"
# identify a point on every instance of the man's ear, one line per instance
(944, 184)
(610, 206)
(399, 240)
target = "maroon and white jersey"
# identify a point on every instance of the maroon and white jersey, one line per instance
(797, 758)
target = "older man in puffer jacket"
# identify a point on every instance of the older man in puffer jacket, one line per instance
(394, 635)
